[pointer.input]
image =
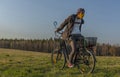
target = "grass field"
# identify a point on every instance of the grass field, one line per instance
(16, 63)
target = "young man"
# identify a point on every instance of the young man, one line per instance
(72, 31)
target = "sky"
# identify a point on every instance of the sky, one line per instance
(33, 19)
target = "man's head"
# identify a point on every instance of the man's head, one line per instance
(80, 13)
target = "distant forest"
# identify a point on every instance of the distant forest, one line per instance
(47, 45)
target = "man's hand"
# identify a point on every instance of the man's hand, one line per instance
(56, 31)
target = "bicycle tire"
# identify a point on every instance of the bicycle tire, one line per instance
(58, 58)
(83, 61)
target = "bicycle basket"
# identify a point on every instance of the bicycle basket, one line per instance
(91, 41)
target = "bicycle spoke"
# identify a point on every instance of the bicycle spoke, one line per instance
(58, 59)
(87, 62)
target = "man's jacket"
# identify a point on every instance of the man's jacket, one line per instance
(68, 23)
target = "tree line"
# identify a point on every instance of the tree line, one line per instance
(47, 45)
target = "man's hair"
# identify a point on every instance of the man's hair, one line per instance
(80, 10)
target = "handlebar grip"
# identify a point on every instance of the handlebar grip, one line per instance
(60, 32)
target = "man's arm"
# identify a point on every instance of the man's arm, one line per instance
(66, 21)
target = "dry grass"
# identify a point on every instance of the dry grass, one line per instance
(18, 63)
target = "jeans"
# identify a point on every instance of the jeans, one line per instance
(73, 40)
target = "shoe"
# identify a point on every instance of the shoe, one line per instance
(70, 65)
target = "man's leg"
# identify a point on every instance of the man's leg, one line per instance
(72, 44)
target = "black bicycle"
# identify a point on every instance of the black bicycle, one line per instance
(84, 58)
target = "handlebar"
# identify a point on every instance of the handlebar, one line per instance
(58, 34)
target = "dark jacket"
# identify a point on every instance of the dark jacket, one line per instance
(68, 23)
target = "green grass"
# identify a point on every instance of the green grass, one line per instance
(16, 63)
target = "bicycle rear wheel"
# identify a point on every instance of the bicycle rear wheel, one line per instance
(86, 61)
(58, 58)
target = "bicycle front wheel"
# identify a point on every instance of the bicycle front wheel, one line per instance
(58, 58)
(86, 61)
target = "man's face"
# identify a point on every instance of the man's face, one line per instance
(80, 15)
